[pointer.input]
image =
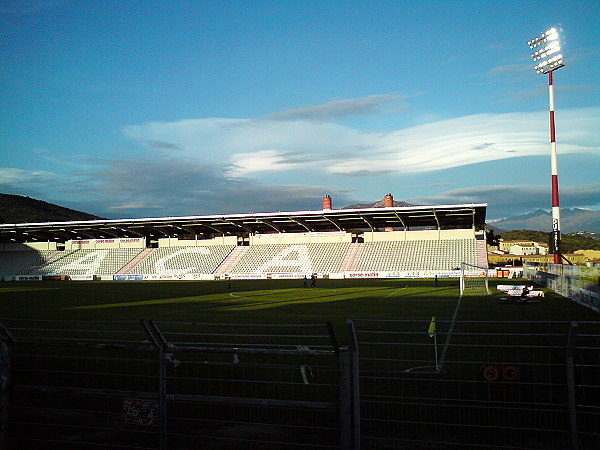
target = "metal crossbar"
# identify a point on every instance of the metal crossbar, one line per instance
(156, 385)
(149, 385)
(532, 386)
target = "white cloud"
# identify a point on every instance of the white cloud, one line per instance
(253, 145)
(264, 160)
(219, 165)
(9, 175)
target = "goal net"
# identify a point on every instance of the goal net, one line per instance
(473, 280)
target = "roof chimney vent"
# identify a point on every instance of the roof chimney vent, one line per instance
(388, 201)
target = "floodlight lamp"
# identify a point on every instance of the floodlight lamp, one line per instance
(535, 42)
(551, 45)
(556, 62)
(550, 49)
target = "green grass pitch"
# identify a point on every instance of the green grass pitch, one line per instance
(281, 302)
(272, 301)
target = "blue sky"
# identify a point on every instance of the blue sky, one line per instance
(131, 109)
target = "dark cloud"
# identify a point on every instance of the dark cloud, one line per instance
(336, 109)
(366, 173)
(508, 200)
(292, 157)
(160, 145)
(482, 146)
(185, 187)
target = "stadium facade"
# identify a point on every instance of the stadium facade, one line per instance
(406, 241)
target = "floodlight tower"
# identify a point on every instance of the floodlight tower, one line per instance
(550, 59)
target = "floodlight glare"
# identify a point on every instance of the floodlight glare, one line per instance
(549, 60)
(550, 40)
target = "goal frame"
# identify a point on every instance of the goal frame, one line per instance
(474, 280)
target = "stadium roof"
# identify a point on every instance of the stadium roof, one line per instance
(404, 218)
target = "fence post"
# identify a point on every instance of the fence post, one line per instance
(571, 385)
(354, 359)
(162, 398)
(4, 380)
(5, 342)
(345, 401)
(160, 343)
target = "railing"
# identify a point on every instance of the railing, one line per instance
(400, 384)
(173, 385)
(478, 384)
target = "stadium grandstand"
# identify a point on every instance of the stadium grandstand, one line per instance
(392, 241)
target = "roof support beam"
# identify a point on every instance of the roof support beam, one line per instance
(302, 223)
(437, 219)
(110, 232)
(368, 222)
(127, 229)
(337, 225)
(399, 217)
(269, 223)
(239, 225)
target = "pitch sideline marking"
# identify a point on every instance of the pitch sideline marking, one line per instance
(449, 335)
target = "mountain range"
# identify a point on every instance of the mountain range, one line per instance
(377, 204)
(571, 221)
(21, 209)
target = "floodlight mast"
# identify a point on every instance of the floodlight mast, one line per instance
(551, 60)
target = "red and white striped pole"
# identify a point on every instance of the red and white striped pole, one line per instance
(547, 53)
(554, 166)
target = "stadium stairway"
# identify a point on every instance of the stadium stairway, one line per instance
(231, 260)
(45, 260)
(352, 256)
(482, 260)
(136, 261)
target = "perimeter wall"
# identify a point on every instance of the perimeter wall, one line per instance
(579, 283)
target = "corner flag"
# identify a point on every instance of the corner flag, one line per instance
(431, 330)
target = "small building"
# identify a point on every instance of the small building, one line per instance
(523, 247)
(549, 259)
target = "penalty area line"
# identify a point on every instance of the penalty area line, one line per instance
(392, 293)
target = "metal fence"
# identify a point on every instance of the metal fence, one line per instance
(153, 385)
(478, 384)
(400, 384)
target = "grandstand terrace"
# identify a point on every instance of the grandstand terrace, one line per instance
(378, 242)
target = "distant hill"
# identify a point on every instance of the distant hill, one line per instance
(571, 221)
(19, 209)
(377, 204)
(570, 242)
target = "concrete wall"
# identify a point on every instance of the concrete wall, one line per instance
(174, 242)
(93, 244)
(300, 238)
(379, 236)
(28, 246)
